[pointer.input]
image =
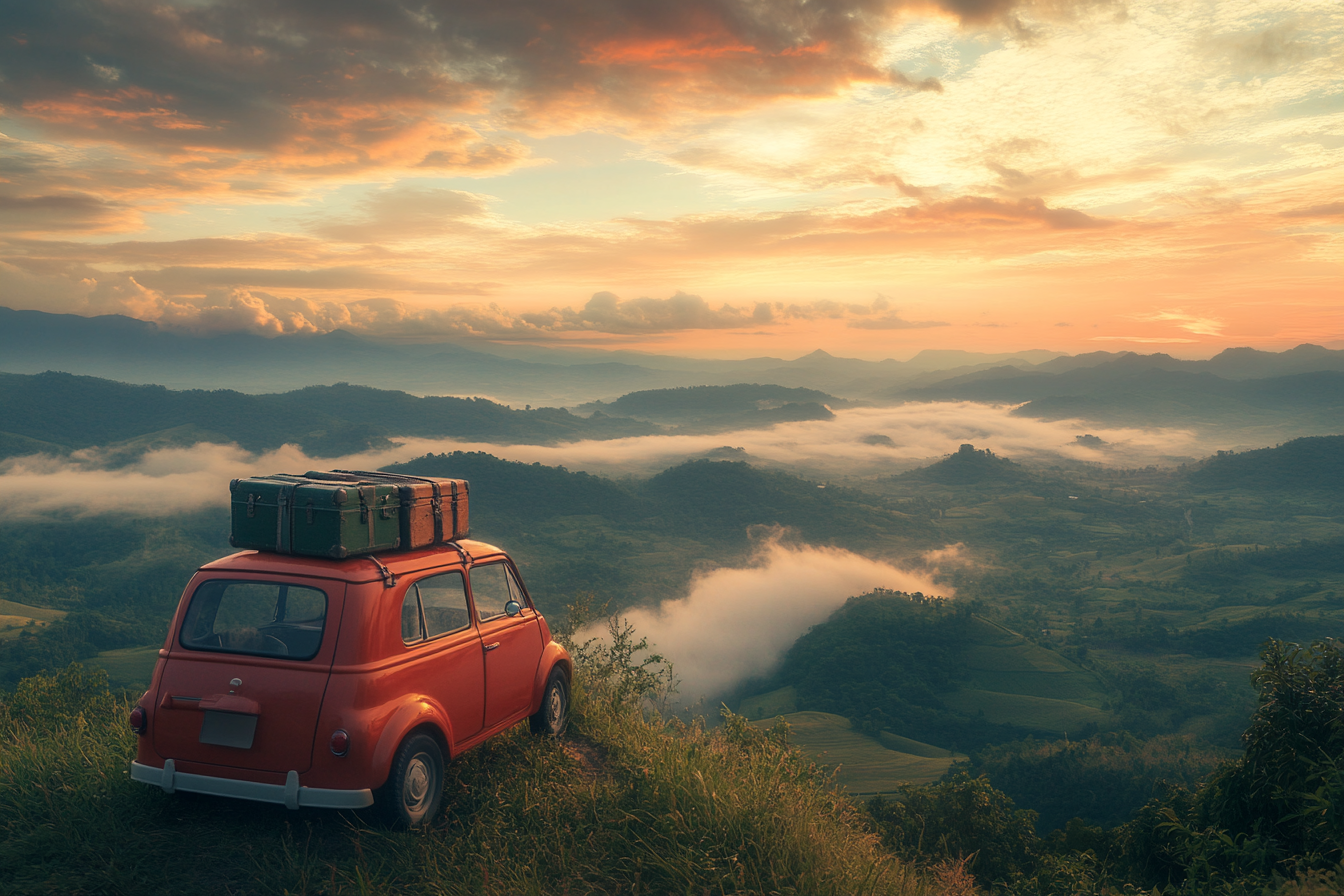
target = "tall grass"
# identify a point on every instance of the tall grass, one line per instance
(653, 808)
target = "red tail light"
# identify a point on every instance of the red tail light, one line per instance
(138, 720)
(340, 742)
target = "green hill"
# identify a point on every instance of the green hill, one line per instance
(969, 466)
(934, 672)
(1315, 463)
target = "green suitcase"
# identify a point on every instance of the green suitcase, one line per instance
(294, 515)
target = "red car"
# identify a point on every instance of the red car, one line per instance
(341, 684)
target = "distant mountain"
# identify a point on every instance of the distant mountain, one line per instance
(717, 408)
(1309, 464)
(71, 412)
(1144, 390)
(129, 350)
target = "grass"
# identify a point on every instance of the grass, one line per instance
(861, 765)
(779, 702)
(668, 809)
(14, 617)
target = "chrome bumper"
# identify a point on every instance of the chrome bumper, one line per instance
(289, 794)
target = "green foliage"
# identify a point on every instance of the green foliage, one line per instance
(890, 660)
(1099, 780)
(1314, 463)
(1272, 813)
(1289, 786)
(56, 702)
(118, 577)
(960, 818)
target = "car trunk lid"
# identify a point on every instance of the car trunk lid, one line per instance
(245, 675)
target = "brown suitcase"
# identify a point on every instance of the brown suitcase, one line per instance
(433, 510)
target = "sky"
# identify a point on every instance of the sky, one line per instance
(727, 178)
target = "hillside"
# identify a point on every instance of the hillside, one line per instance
(1301, 464)
(970, 466)
(624, 805)
(325, 421)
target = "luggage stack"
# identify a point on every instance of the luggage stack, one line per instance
(346, 513)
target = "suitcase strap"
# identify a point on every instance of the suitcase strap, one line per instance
(284, 522)
(436, 502)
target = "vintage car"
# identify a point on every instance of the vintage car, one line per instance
(346, 683)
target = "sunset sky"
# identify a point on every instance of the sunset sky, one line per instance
(707, 177)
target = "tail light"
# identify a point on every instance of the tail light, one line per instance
(139, 720)
(340, 742)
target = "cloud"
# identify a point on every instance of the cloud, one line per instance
(893, 321)
(608, 313)
(405, 213)
(56, 212)
(1326, 210)
(736, 623)
(357, 85)
(1203, 326)
(985, 211)
(1266, 50)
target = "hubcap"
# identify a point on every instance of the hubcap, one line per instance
(556, 709)
(415, 794)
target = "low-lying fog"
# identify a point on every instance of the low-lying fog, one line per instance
(736, 623)
(859, 442)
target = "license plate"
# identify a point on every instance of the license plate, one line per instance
(228, 729)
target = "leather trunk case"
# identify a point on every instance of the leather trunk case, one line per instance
(433, 509)
(296, 515)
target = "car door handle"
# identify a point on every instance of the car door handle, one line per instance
(490, 647)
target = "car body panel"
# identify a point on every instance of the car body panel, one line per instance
(363, 680)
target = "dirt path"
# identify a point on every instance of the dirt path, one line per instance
(591, 757)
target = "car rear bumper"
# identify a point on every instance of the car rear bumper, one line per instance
(289, 794)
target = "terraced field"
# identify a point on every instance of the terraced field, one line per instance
(861, 764)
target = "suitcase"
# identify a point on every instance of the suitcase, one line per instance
(433, 510)
(297, 515)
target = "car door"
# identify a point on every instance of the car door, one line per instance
(511, 645)
(447, 662)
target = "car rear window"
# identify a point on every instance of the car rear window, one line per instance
(256, 618)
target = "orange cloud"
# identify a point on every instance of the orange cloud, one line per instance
(133, 108)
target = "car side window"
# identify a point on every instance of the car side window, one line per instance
(433, 607)
(492, 587)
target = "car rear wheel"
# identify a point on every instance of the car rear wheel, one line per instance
(414, 789)
(550, 720)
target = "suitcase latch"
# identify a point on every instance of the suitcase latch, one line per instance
(251, 504)
(310, 511)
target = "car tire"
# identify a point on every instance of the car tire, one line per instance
(414, 788)
(552, 716)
